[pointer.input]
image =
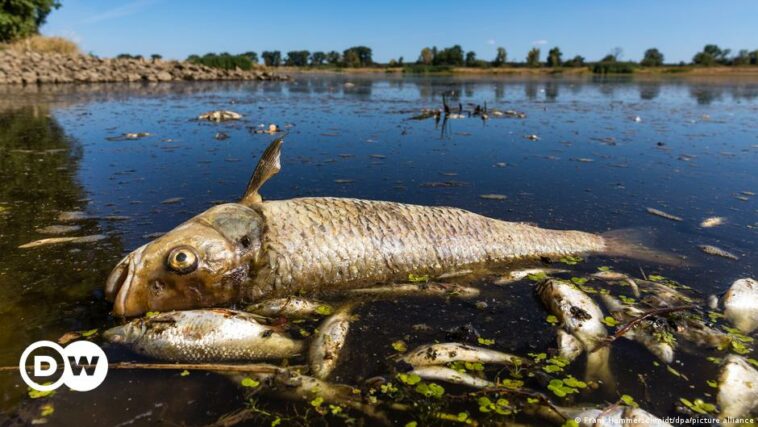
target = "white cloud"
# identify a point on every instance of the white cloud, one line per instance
(539, 42)
(491, 41)
(119, 12)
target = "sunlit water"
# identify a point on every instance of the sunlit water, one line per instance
(595, 167)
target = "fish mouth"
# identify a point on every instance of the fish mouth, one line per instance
(124, 289)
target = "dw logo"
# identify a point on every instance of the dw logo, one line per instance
(84, 365)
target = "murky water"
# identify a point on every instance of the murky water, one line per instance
(692, 153)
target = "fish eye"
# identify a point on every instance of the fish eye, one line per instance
(182, 260)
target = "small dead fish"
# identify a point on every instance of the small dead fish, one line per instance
(660, 295)
(201, 336)
(493, 196)
(532, 137)
(58, 240)
(58, 229)
(448, 375)
(328, 342)
(129, 136)
(695, 331)
(172, 200)
(419, 289)
(516, 275)
(713, 221)
(291, 307)
(220, 136)
(618, 416)
(712, 250)
(662, 214)
(578, 313)
(615, 276)
(651, 334)
(738, 388)
(441, 354)
(72, 216)
(219, 116)
(741, 305)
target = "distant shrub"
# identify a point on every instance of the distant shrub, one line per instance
(613, 67)
(43, 44)
(422, 68)
(128, 56)
(224, 61)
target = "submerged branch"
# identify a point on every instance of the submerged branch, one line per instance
(655, 312)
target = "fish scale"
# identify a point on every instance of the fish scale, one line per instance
(317, 243)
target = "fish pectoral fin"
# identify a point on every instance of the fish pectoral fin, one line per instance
(268, 166)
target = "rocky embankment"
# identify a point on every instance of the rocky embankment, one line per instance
(33, 68)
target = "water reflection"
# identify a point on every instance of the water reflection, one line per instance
(46, 291)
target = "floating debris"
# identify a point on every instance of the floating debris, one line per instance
(129, 136)
(343, 181)
(713, 221)
(270, 130)
(219, 116)
(58, 229)
(172, 200)
(493, 196)
(662, 214)
(58, 240)
(220, 136)
(713, 250)
(532, 137)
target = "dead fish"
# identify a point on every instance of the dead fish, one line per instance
(738, 388)
(441, 354)
(219, 116)
(327, 344)
(73, 216)
(741, 305)
(291, 307)
(532, 137)
(713, 221)
(516, 275)
(712, 250)
(568, 346)
(172, 200)
(129, 136)
(58, 240)
(419, 289)
(581, 317)
(653, 334)
(509, 113)
(448, 375)
(693, 330)
(662, 214)
(661, 295)
(252, 250)
(201, 336)
(615, 276)
(58, 229)
(493, 196)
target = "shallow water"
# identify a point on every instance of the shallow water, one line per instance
(595, 168)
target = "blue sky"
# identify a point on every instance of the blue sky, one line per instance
(391, 28)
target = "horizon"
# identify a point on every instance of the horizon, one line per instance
(592, 29)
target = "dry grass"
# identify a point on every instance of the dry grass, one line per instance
(42, 44)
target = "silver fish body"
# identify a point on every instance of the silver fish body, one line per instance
(201, 336)
(741, 305)
(328, 342)
(738, 388)
(290, 307)
(578, 313)
(443, 353)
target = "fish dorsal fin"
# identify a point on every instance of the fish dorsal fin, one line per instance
(268, 166)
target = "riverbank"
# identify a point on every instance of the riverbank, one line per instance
(686, 70)
(38, 68)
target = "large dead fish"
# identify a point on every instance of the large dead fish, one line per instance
(738, 389)
(198, 336)
(252, 250)
(654, 334)
(741, 305)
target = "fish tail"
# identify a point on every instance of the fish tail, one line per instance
(635, 243)
(599, 368)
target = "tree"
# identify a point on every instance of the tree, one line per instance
(297, 58)
(617, 53)
(252, 56)
(754, 57)
(742, 58)
(22, 18)
(471, 58)
(449, 56)
(501, 57)
(318, 58)
(711, 54)
(533, 57)
(333, 57)
(272, 58)
(577, 61)
(653, 58)
(426, 57)
(357, 56)
(156, 57)
(554, 57)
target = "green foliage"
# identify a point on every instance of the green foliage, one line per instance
(610, 65)
(426, 56)
(533, 58)
(452, 56)
(252, 56)
(554, 57)
(470, 58)
(357, 56)
(712, 55)
(130, 56)
(318, 58)
(297, 58)
(653, 58)
(22, 18)
(333, 57)
(223, 60)
(500, 58)
(272, 58)
(156, 57)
